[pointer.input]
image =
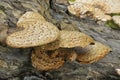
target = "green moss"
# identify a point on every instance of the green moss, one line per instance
(2, 8)
(71, 0)
(112, 25)
(114, 14)
(1, 12)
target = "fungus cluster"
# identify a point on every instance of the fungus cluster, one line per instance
(98, 9)
(52, 47)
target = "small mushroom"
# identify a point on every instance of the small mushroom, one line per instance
(41, 61)
(35, 33)
(116, 19)
(70, 39)
(93, 53)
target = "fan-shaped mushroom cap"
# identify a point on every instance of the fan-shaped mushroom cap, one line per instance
(93, 53)
(80, 8)
(30, 16)
(99, 14)
(110, 6)
(116, 19)
(99, 8)
(69, 39)
(41, 61)
(113, 5)
(35, 34)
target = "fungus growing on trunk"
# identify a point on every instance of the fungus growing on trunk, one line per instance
(54, 47)
(35, 32)
(93, 52)
(70, 39)
(100, 9)
(42, 61)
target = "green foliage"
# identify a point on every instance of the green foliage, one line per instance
(114, 14)
(2, 8)
(1, 12)
(112, 25)
(71, 0)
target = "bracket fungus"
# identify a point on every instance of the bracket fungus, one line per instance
(100, 9)
(41, 61)
(70, 39)
(29, 17)
(93, 53)
(53, 47)
(35, 32)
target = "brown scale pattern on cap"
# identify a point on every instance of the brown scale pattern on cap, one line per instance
(69, 39)
(35, 33)
(42, 61)
(56, 46)
(93, 53)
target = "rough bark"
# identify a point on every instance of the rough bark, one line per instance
(15, 63)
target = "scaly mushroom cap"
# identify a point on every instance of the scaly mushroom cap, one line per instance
(29, 17)
(116, 19)
(69, 39)
(80, 8)
(100, 15)
(93, 53)
(34, 34)
(41, 61)
(113, 5)
(99, 8)
(110, 6)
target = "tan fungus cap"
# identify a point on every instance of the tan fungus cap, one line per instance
(69, 39)
(30, 16)
(35, 34)
(93, 53)
(41, 61)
